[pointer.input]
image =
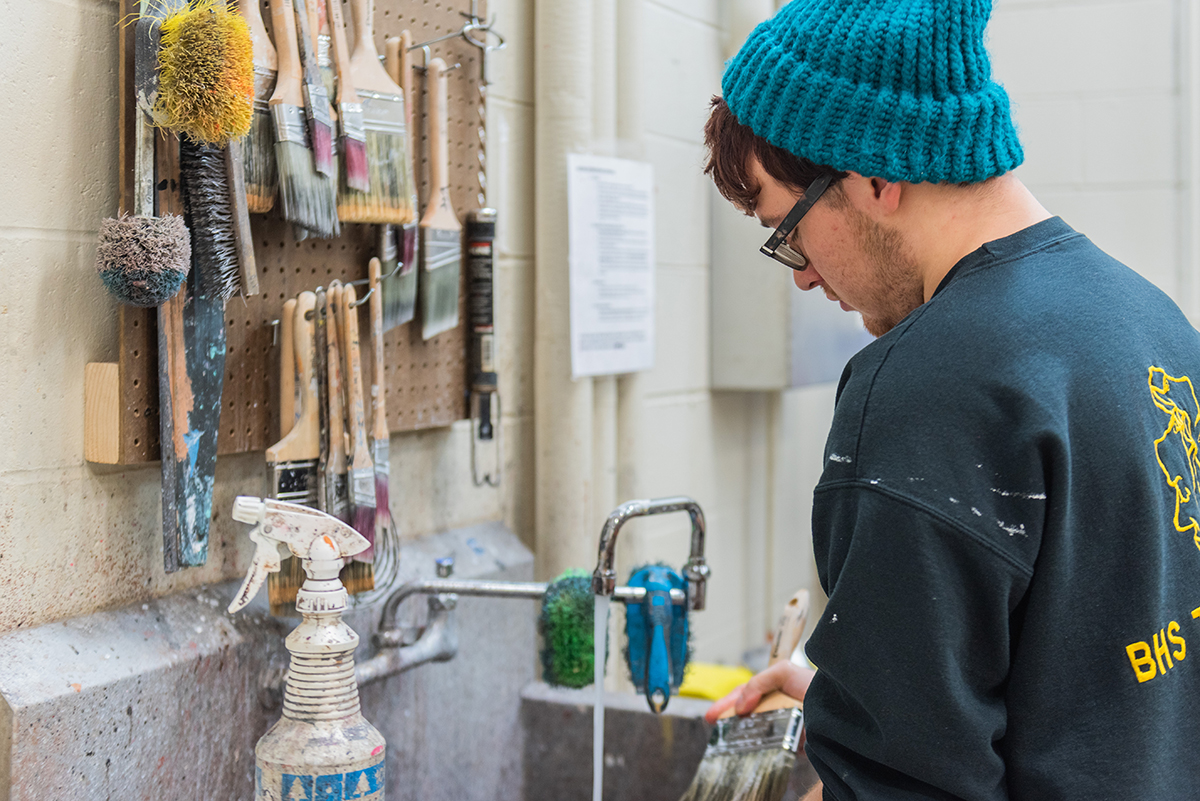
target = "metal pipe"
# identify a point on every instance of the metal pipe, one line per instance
(604, 579)
(437, 643)
(389, 636)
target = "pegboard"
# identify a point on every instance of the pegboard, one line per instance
(425, 382)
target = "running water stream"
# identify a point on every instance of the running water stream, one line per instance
(600, 635)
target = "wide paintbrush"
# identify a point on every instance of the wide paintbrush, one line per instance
(441, 232)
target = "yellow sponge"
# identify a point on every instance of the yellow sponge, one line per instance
(206, 72)
(710, 681)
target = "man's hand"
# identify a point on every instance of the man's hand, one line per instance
(784, 675)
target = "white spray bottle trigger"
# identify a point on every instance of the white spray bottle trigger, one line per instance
(309, 533)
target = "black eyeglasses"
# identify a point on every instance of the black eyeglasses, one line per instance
(777, 247)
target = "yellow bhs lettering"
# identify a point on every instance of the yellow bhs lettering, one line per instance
(1173, 636)
(1149, 660)
(1142, 661)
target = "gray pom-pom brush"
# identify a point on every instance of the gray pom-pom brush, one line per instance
(143, 260)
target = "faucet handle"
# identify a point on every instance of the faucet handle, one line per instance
(445, 566)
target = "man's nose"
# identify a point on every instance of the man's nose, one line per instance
(807, 278)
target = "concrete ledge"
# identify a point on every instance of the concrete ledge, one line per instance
(162, 699)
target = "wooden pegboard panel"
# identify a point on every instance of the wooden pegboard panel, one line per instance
(425, 381)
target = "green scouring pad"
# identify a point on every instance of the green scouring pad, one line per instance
(566, 625)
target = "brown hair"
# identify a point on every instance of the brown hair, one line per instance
(730, 147)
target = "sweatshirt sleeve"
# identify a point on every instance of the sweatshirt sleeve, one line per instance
(912, 651)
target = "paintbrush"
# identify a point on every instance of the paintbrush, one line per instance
(287, 368)
(398, 244)
(337, 496)
(258, 156)
(751, 758)
(292, 462)
(362, 471)
(316, 98)
(309, 199)
(390, 197)
(359, 576)
(381, 436)
(352, 140)
(441, 232)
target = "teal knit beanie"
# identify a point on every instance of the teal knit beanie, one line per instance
(899, 89)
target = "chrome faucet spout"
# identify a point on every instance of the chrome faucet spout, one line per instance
(604, 579)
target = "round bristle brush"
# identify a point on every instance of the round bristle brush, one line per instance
(205, 184)
(206, 72)
(143, 260)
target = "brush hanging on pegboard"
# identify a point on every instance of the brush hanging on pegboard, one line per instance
(425, 380)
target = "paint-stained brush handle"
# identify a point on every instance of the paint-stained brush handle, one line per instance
(439, 213)
(304, 440)
(360, 452)
(289, 83)
(379, 426)
(287, 368)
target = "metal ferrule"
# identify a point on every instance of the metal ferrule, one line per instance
(316, 101)
(289, 124)
(382, 112)
(779, 728)
(264, 86)
(350, 121)
(363, 487)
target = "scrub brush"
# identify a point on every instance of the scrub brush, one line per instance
(206, 73)
(143, 260)
(565, 623)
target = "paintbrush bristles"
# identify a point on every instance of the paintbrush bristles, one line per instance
(749, 776)
(205, 184)
(308, 198)
(258, 162)
(390, 197)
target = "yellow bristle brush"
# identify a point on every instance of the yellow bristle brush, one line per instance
(206, 72)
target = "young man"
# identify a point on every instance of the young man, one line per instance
(1008, 525)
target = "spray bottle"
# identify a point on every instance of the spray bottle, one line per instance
(322, 749)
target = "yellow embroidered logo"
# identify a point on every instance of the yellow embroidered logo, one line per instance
(1176, 448)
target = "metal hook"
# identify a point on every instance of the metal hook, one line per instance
(473, 23)
(360, 282)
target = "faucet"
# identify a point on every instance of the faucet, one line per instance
(397, 650)
(604, 579)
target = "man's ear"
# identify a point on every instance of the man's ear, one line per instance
(876, 197)
(886, 194)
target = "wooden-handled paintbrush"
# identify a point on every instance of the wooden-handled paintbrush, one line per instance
(258, 158)
(380, 435)
(389, 198)
(292, 462)
(441, 232)
(316, 97)
(362, 470)
(750, 758)
(353, 136)
(309, 199)
(287, 368)
(398, 244)
(337, 496)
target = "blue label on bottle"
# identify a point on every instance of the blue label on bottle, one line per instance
(361, 784)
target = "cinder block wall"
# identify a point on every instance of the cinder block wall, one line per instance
(1100, 93)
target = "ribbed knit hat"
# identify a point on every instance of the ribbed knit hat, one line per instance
(899, 89)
